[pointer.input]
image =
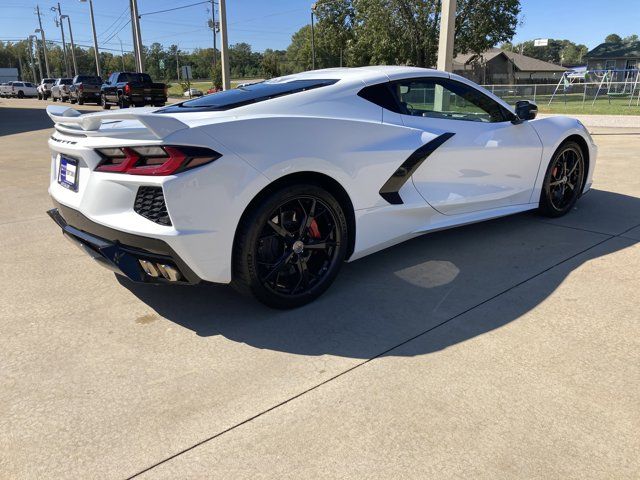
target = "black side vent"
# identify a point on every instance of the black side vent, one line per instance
(150, 204)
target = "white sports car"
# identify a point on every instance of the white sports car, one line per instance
(270, 187)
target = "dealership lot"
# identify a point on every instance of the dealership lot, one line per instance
(499, 350)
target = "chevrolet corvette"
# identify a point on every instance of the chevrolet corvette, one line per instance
(271, 187)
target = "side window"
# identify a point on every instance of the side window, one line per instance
(444, 98)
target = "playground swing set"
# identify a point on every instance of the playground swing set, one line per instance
(615, 84)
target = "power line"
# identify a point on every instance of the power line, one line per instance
(175, 8)
(104, 33)
(115, 34)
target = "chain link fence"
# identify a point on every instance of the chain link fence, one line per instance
(619, 93)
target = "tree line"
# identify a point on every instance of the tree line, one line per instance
(347, 33)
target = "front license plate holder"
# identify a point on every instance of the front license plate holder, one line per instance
(68, 173)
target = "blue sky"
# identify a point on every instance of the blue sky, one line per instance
(270, 23)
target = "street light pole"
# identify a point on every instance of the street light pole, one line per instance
(44, 42)
(95, 38)
(224, 53)
(73, 47)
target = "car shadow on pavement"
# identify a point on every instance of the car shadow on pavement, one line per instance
(20, 120)
(387, 298)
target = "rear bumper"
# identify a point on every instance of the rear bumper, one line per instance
(120, 251)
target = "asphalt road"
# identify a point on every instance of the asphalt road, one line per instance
(508, 349)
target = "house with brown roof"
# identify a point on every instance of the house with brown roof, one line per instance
(614, 56)
(497, 66)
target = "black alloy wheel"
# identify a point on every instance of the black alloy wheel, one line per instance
(122, 103)
(563, 181)
(290, 248)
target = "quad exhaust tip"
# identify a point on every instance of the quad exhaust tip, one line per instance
(155, 270)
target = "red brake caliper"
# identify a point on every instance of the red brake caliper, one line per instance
(314, 231)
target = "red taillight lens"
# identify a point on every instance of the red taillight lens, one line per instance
(154, 160)
(127, 89)
(80, 87)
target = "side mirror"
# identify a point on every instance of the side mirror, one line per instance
(526, 110)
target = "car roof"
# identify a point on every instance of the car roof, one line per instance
(369, 74)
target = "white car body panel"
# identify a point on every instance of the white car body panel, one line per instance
(485, 170)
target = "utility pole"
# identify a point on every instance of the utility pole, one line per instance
(64, 44)
(445, 50)
(95, 39)
(137, 37)
(313, 39)
(121, 53)
(447, 35)
(178, 63)
(224, 52)
(73, 47)
(33, 67)
(31, 38)
(213, 28)
(44, 42)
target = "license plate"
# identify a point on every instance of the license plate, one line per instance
(68, 173)
(147, 98)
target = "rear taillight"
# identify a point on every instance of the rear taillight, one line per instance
(154, 160)
(80, 87)
(127, 89)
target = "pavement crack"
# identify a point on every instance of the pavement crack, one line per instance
(381, 354)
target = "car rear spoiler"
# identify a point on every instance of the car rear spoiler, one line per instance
(72, 121)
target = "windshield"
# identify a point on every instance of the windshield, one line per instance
(134, 77)
(257, 92)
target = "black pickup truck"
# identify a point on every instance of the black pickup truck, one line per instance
(130, 88)
(85, 88)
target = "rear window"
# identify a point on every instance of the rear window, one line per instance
(66, 81)
(49, 80)
(89, 80)
(134, 77)
(238, 97)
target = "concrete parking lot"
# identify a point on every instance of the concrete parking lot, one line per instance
(508, 349)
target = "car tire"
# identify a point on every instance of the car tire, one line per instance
(71, 100)
(290, 246)
(563, 180)
(53, 99)
(20, 94)
(105, 104)
(122, 103)
(39, 96)
(80, 101)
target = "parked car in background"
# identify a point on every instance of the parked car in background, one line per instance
(60, 89)
(126, 89)
(193, 92)
(5, 89)
(23, 89)
(213, 90)
(85, 88)
(44, 88)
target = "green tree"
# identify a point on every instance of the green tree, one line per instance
(613, 38)
(406, 31)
